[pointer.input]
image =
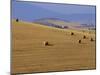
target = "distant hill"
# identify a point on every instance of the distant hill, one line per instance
(60, 23)
(56, 22)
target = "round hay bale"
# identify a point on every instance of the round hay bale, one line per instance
(45, 43)
(79, 41)
(84, 37)
(72, 33)
(92, 39)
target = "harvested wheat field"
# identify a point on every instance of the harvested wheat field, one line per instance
(39, 48)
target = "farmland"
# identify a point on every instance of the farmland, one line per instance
(30, 55)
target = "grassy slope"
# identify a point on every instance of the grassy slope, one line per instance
(30, 55)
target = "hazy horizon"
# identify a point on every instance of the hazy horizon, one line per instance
(30, 11)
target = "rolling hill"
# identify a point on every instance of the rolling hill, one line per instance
(64, 24)
(30, 55)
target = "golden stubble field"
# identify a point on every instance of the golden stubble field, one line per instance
(30, 55)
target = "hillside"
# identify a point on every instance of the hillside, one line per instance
(63, 24)
(29, 54)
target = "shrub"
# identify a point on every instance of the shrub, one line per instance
(17, 20)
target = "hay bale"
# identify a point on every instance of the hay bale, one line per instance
(84, 37)
(92, 39)
(79, 41)
(72, 33)
(45, 43)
